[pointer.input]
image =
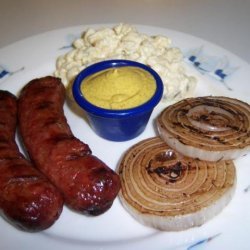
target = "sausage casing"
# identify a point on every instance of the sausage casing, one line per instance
(27, 198)
(89, 185)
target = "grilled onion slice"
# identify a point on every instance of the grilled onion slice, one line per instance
(171, 192)
(208, 128)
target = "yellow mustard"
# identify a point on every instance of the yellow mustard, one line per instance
(119, 88)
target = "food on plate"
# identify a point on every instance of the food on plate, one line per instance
(117, 124)
(119, 87)
(168, 191)
(210, 128)
(27, 199)
(89, 186)
(123, 41)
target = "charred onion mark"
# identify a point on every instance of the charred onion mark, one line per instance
(210, 127)
(173, 172)
(203, 241)
(160, 184)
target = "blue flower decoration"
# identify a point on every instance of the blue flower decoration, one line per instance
(247, 189)
(70, 38)
(5, 72)
(217, 67)
(203, 241)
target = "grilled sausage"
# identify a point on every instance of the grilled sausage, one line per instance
(89, 185)
(27, 199)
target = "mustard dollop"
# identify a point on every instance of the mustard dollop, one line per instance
(119, 88)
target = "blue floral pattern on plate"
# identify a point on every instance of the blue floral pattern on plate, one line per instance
(203, 241)
(217, 67)
(70, 38)
(247, 189)
(4, 72)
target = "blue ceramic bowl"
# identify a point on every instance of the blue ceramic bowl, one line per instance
(117, 125)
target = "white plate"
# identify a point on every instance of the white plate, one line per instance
(218, 71)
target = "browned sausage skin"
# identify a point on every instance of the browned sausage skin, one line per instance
(27, 199)
(89, 185)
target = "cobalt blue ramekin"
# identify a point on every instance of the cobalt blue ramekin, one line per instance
(117, 125)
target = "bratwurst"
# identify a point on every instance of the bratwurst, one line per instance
(27, 198)
(89, 186)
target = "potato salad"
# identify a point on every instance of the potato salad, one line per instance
(123, 41)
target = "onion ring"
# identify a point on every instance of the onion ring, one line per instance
(208, 128)
(163, 189)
